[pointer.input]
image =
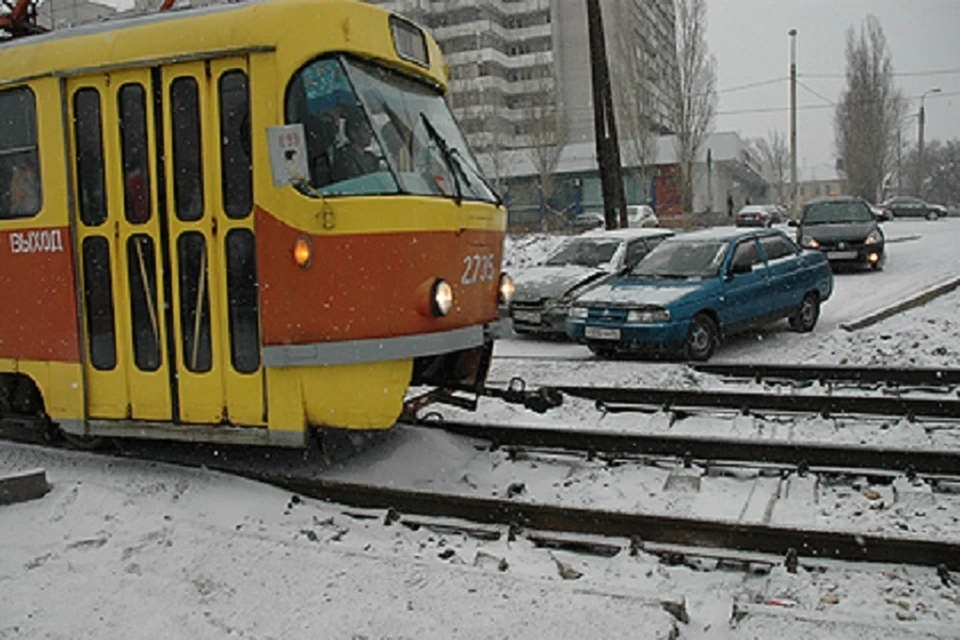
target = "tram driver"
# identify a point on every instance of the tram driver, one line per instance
(354, 158)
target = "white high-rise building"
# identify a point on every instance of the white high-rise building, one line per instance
(514, 62)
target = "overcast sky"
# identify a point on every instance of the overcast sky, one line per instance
(749, 39)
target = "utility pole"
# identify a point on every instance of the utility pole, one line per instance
(920, 159)
(604, 123)
(793, 123)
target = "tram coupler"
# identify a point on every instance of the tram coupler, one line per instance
(435, 396)
(540, 400)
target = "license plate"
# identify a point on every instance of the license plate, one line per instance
(841, 255)
(527, 316)
(599, 333)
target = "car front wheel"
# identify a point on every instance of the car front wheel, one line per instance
(805, 319)
(702, 338)
(932, 215)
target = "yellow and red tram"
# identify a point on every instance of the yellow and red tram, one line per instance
(238, 223)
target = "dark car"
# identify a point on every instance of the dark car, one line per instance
(544, 292)
(757, 215)
(844, 228)
(907, 207)
(698, 287)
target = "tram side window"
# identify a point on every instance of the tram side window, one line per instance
(20, 191)
(141, 263)
(98, 298)
(187, 158)
(242, 296)
(133, 138)
(194, 302)
(236, 177)
(88, 133)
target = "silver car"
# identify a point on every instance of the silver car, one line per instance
(544, 292)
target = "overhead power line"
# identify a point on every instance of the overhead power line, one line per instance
(816, 93)
(901, 74)
(751, 85)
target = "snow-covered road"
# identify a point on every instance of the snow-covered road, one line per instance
(120, 549)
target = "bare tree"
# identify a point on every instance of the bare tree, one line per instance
(775, 156)
(942, 163)
(692, 99)
(632, 94)
(869, 111)
(547, 129)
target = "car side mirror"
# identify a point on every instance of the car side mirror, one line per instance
(792, 223)
(739, 267)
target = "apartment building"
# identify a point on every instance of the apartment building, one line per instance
(62, 14)
(520, 69)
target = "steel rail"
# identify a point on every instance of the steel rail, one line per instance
(890, 376)
(782, 541)
(860, 457)
(825, 405)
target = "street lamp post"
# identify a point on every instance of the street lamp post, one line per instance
(921, 172)
(793, 122)
(900, 124)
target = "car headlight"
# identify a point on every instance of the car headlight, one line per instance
(507, 289)
(648, 315)
(809, 242)
(874, 237)
(579, 313)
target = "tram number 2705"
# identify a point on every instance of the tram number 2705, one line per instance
(477, 268)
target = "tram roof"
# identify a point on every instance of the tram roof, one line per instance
(291, 27)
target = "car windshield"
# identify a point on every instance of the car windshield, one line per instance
(372, 131)
(683, 259)
(584, 252)
(836, 212)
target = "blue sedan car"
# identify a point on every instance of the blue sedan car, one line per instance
(698, 287)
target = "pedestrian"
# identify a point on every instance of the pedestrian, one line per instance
(729, 206)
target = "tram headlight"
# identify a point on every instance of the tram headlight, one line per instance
(507, 289)
(303, 252)
(441, 298)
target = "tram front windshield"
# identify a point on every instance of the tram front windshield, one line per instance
(371, 131)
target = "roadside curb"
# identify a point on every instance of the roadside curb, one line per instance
(23, 486)
(902, 239)
(920, 299)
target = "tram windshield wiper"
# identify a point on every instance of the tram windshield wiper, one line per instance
(452, 163)
(461, 162)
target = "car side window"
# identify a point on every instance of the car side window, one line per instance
(746, 254)
(778, 247)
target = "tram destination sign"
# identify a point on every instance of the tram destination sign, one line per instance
(409, 41)
(288, 154)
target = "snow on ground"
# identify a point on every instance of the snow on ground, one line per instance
(122, 549)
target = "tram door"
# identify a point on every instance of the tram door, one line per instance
(163, 192)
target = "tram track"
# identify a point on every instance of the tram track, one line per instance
(930, 377)
(786, 542)
(797, 455)
(619, 399)
(637, 531)
(939, 380)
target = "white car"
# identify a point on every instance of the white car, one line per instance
(641, 215)
(544, 292)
